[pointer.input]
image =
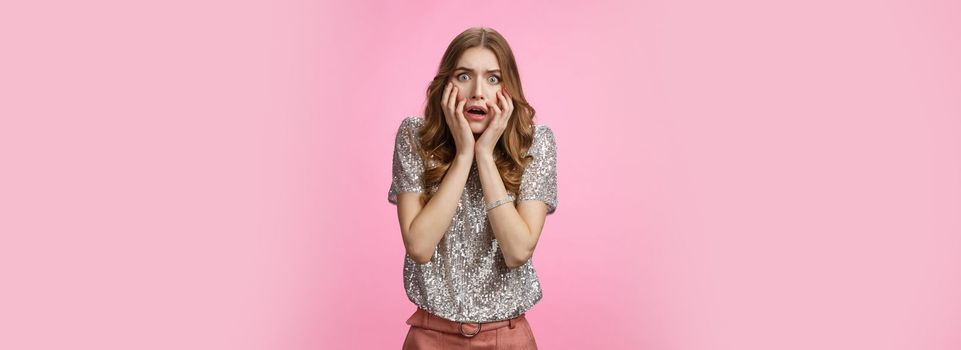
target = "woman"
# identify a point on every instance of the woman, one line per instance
(473, 181)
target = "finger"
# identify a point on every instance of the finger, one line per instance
(494, 106)
(451, 100)
(502, 101)
(508, 105)
(460, 111)
(445, 95)
(496, 109)
(453, 120)
(502, 111)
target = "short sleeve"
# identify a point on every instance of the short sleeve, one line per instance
(408, 169)
(539, 181)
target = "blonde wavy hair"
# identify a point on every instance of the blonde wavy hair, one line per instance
(437, 144)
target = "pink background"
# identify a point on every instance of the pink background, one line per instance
(732, 175)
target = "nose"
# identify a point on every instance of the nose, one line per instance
(479, 90)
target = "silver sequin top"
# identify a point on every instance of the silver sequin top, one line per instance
(467, 279)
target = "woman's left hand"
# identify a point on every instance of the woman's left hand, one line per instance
(502, 108)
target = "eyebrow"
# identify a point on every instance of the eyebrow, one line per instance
(488, 71)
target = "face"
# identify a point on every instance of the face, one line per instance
(477, 77)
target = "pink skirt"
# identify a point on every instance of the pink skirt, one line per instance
(429, 331)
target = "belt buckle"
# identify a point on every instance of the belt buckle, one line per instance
(467, 334)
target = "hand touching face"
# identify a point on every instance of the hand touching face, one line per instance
(501, 112)
(456, 122)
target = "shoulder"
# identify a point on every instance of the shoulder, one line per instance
(411, 122)
(543, 132)
(543, 139)
(406, 141)
(407, 131)
(543, 144)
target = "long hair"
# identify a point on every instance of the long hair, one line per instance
(437, 144)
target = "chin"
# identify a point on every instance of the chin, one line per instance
(478, 127)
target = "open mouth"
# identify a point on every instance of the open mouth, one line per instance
(476, 112)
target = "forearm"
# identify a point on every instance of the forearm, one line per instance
(512, 232)
(430, 224)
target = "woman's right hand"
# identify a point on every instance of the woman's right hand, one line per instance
(454, 114)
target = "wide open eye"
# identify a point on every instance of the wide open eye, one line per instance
(462, 75)
(494, 79)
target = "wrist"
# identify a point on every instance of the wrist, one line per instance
(465, 157)
(482, 156)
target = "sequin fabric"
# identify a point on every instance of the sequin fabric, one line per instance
(467, 279)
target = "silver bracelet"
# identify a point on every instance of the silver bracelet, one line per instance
(499, 202)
